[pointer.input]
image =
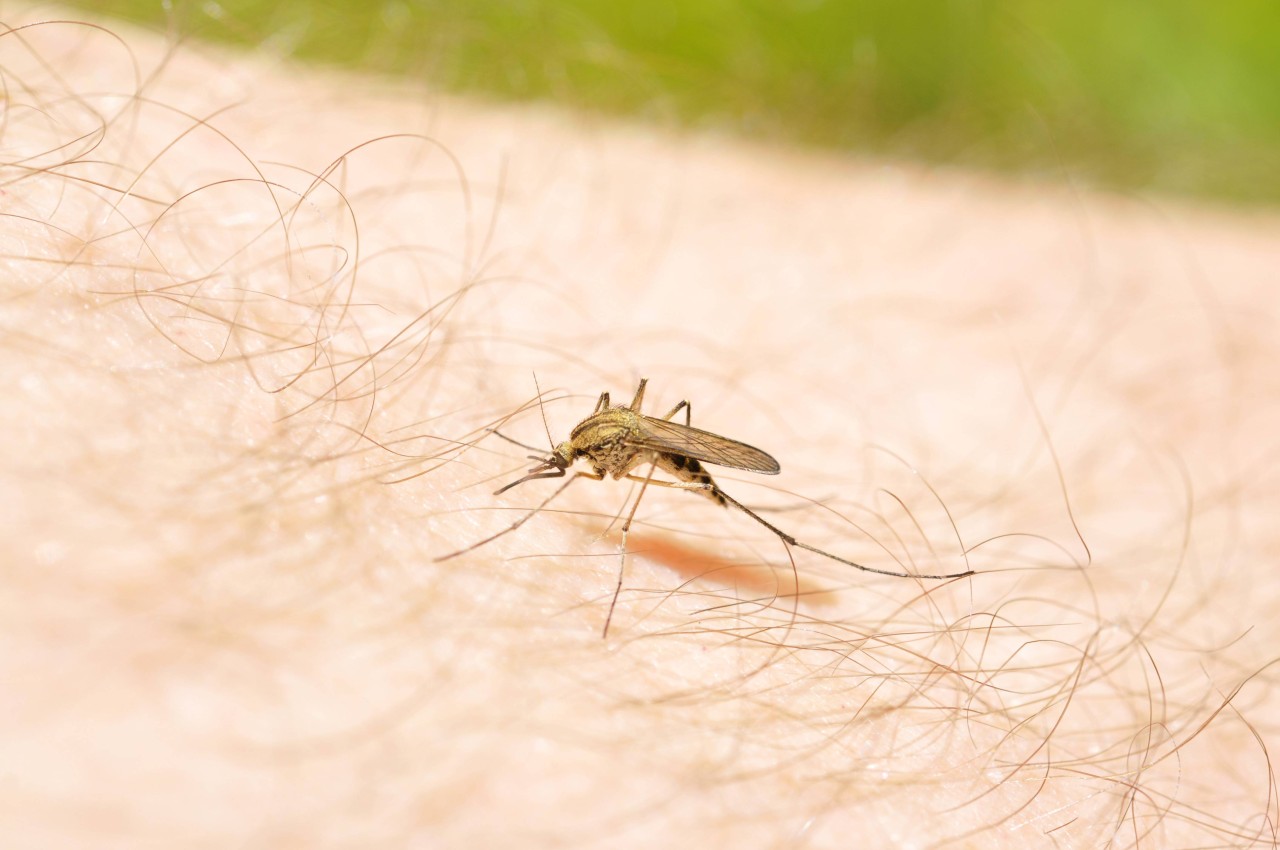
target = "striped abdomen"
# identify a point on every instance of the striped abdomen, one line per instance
(688, 469)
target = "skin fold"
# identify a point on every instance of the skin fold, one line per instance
(258, 323)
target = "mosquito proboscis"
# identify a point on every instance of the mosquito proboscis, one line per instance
(615, 440)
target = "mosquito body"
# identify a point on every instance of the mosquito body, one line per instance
(616, 440)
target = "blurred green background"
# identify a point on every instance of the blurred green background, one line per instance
(1168, 96)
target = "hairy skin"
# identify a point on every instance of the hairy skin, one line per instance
(255, 324)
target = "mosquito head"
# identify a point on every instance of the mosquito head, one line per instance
(564, 455)
(552, 467)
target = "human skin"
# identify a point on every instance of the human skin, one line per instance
(242, 425)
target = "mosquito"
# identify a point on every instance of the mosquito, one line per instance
(616, 440)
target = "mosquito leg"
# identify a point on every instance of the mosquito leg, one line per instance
(626, 526)
(787, 538)
(688, 412)
(639, 399)
(602, 403)
(678, 485)
(791, 540)
(522, 519)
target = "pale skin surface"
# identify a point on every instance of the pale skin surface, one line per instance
(233, 448)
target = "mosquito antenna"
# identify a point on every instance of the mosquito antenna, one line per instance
(495, 432)
(543, 411)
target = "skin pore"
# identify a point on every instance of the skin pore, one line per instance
(256, 323)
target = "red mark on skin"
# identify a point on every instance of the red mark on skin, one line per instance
(693, 563)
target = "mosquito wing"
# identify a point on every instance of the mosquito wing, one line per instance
(661, 435)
